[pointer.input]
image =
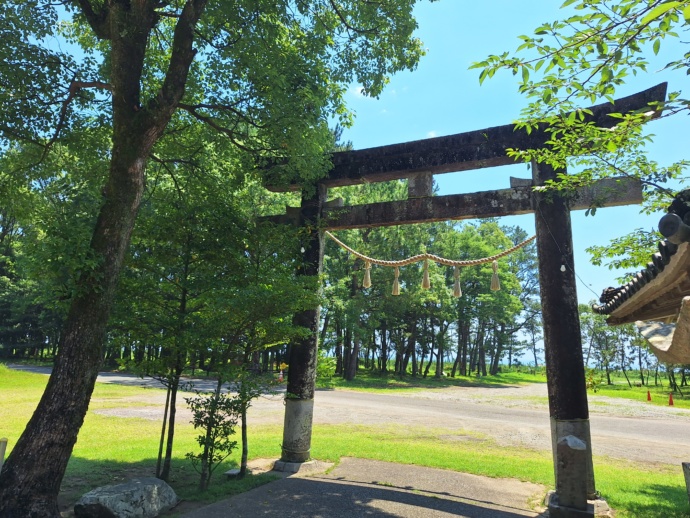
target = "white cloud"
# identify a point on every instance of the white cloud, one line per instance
(357, 91)
(431, 134)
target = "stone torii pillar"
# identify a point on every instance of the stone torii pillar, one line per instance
(565, 373)
(299, 399)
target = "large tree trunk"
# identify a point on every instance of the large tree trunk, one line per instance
(27, 484)
(31, 477)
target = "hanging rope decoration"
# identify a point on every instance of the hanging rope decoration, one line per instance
(457, 292)
(495, 284)
(396, 283)
(367, 275)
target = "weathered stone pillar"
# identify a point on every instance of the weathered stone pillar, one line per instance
(299, 399)
(565, 373)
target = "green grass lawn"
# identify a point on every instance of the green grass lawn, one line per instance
(658, 393)
(130, 446)
(370, 381)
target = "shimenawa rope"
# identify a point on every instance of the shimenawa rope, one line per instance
(457, 292)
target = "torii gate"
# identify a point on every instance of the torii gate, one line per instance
(418, 161)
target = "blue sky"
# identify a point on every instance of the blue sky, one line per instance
(443, 97)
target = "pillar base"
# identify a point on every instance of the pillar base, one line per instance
(299, 414)
(310, 466)
(578, 428)
(595, 508)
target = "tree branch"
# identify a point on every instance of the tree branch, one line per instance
(173, 87)
(98, 20)
(74, 87)
(213, 124)
(347, 24)
(192, 108)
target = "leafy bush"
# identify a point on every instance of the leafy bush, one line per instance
(216, 415)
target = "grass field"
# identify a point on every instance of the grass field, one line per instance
(659, 394)
(633, 489)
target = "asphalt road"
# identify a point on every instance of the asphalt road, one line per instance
(631, 430)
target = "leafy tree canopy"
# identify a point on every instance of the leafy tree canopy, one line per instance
(268, 75)
(586, 58)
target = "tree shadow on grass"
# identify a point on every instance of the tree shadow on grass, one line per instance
(660, 501)
(83, 475)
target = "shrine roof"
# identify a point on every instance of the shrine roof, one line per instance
(656, 292)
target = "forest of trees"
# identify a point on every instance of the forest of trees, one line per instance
(206, 281)
(204, 274)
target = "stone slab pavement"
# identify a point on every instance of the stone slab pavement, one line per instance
(358, 487)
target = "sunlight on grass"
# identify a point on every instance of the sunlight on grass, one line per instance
(368, 381)
(659, 390)
(642, 490)
(438, 448)
(659, 394)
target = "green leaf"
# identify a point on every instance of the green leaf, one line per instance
(659, 11)
(686, 14)
(606, 74)
(657, 44)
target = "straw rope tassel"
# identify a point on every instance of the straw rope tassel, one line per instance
(457, 292)
(367, 275)
(495, 284)
(396, 284)
(426, 284)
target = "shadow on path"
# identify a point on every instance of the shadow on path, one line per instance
(358, 487)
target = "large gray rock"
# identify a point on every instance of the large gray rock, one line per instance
(144, 497)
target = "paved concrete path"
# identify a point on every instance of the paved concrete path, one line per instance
(358, 487)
